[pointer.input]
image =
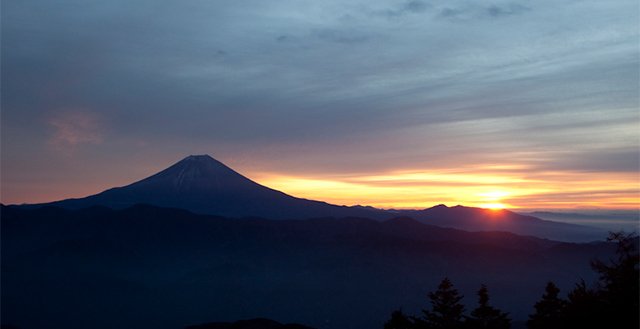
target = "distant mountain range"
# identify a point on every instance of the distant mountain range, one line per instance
(204, 185)
(200, 245)
(153, 267)
(478, 220)
(628, 220)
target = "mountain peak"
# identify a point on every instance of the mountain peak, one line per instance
(196, 173)
(200, 161)
(203, 157)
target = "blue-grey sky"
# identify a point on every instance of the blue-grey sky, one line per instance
(528, 100)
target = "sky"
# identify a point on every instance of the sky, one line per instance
(394, 104)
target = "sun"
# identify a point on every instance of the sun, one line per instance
(493, 206)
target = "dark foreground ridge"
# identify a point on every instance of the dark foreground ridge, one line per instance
(204, 185)
(249, 324)
(166, 268)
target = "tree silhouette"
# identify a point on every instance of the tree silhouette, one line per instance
(549, 311)
(399, 320)
(610, 303)
(485, 316)
(619, 297)
(584, 308)
(446, 310)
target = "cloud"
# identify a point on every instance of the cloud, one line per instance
(409, 7)
(340, 36)
(329, 86)
(416, 6)
(451, 12)
(470, 11)
(73, 129)
(509, 9)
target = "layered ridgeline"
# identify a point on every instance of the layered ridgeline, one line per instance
(204, 185)
(166, 268)
(199, 242)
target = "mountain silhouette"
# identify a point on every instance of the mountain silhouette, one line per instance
(203, 185)
(165, 268)
(479, 220)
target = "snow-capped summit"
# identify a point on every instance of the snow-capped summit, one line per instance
(196, 173)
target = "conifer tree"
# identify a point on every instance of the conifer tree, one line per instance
(585, 308)
(549, 311)
(485, 316)
(446, 310)
(398, 320)
(621, 278)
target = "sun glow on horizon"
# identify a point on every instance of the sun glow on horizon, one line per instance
(493, 206)
(484, 187)
(494, 199)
